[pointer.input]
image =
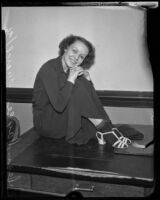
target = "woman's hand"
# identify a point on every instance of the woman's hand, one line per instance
(74, 73)
(87, 75)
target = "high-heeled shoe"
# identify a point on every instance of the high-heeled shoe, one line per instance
(121, 142)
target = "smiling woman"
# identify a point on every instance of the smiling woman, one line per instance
(65, 102)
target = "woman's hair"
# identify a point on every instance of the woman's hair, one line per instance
(66, 42)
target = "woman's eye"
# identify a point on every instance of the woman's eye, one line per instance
(82, 57)
(74, 50)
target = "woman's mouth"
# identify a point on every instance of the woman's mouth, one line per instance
(73, 62)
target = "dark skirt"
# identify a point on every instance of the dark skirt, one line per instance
(73, 123)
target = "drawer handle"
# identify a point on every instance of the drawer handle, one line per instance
(84, 189)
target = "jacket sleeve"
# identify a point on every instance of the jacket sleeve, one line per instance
(58, 96)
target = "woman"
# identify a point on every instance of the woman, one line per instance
(65, 103)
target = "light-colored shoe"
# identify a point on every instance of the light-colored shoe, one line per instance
(122, 142)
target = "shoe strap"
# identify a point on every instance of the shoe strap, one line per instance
(113, 129)
(120, 144)
(122, 137)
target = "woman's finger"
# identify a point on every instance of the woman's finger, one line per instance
(80, 73)
(79, 68)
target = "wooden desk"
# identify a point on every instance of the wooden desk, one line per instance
(56, 167)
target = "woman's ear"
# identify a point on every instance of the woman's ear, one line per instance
(65, 50)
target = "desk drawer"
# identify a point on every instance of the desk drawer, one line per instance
(64, 186)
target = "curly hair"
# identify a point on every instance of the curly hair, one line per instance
(89, 59)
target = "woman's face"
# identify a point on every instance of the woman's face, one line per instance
(75, 54)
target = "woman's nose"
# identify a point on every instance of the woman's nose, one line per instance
(76, 56)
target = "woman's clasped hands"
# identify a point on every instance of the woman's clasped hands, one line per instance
(76, 72)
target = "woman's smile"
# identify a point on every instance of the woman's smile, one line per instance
(74, 62)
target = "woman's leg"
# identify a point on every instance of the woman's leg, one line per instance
(96, 122)
(102, 125)
(85, 104)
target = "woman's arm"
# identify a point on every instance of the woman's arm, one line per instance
(59, 97)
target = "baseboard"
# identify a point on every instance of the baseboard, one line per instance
(113, 98)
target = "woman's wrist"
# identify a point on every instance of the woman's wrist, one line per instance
(89, 79)
(71, 80)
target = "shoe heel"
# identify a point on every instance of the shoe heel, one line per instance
(101, 140)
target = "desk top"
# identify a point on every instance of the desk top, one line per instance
(55, 157)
